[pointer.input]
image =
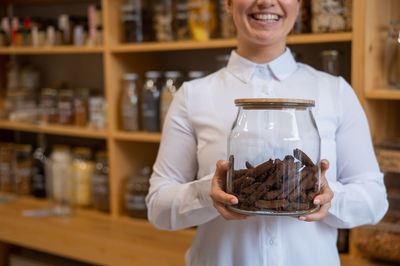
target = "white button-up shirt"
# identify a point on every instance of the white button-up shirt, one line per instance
(195, 137)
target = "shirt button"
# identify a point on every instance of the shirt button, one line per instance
(271, 242)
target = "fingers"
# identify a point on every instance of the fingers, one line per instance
(218, 184)
(324, 164)
(318, 216)
(227, 214)
(222, 168)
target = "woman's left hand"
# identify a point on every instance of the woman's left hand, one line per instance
(324, 199)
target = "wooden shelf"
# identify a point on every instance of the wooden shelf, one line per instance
(225, 43)
(92, 237)
(63, 49)
(383, 94)
(138, 136)
(54, 129)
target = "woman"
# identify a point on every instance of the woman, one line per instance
(187, 189)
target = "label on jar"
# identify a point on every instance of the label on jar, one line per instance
(100, 184)
(135, 202)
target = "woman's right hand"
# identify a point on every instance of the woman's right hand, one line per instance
(220, 197)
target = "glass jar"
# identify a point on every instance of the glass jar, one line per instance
(330, 61)
(38, 169)
(162, 20)
(274, 150)
(81, 171)
(60, 185)
(196, 74)
(81, 107)
(328, 16)
(150, 105)
(171, 85)
(100, 183)
(199, 19)
(227, 27)
(48, 106)
(303, 20)
(136, 188)
(22, 169)
(66, 107)
(181, 20)
(129, 103)
(97, 112)
(393, 55)
(6, 167)
(131, 16)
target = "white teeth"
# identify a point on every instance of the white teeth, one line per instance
(266, 17)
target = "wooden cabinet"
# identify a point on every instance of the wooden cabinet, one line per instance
(129, 151)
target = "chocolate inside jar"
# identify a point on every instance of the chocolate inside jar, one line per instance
(285, 186)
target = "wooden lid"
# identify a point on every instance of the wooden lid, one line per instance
(274, 103)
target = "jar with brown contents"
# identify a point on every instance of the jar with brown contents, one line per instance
(100, 183)
(135, 190)
(6, 169)
(66, 107)
(274, 150)
(81, 171)
(23, 169)
(81, 107)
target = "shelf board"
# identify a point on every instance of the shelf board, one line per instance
(62, 49)
(138, 136)
(92, 237)
(225, 43)
(54, 129)
(383, 94)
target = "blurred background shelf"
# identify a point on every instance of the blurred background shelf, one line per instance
(64, 49)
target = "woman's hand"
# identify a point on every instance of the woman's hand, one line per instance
(220, 197)
(323, 199)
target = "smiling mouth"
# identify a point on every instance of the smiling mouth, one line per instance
(265, 17)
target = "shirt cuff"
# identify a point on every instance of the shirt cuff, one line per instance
(204, 189)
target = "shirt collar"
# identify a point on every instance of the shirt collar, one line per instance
(281, 67)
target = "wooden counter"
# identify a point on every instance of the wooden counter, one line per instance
(97, 238)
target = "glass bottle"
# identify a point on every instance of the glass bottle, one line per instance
(38, 168)
(227, 28)
(150, 105)
(171, 85)
(274, 150)
(131, 16)
(81, 107)
(66, 107)
(181, 20)
(129, 103)
(22, 169)
(162, 20)
(81, 171)
(199, 19)
(48, 106)
(6, 167)
(393, 55)
(135, 190)
(330, 61)
(100, 183)
(60, 184)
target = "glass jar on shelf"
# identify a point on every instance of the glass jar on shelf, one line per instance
(129, 103)
(199, 19)
(274, 150)
(135, 190)
(81, 107)
(66, 107)
(227, 28)
(38, 168)
(181, 20)
(100, 183)
(328, 16)
(22, 169)
(330, 62)
(392, 55)
(150, 104)
(81, 171)
(171, 85)
(131, 16)
(162, 20)
(48, 106)
(60, 186)
(6, 167)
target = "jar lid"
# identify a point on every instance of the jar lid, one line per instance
(130, 76)
(153, 74)
(195, 74)
(172, 74)
(330, 53)
(272, 103)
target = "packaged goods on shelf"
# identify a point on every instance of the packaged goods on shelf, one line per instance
(100, 191)
(23, 169)
(329, 15)
(173, 80)
(135, 189)
(303, 20)
(38, 168)
(162, 20)
(330, 62)
(81, 172)
(97, 112)
(388, 155)
(6, 167)
(129, 102)
(150, 102)
(392, 55)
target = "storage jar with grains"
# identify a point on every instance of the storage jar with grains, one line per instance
(135, 190)
(274, 153)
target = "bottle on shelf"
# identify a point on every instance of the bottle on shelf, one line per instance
(135, 190)
(6, 167)
(38, 168)
(100, 183)
(181, 20)
(132, 19)
(171, 85)
(162, 20)
(330, 62)
(81, 107)
(129, 103)
(81, 172)
(22, 169)
(393, 55)
(66, 107)
(150, 102)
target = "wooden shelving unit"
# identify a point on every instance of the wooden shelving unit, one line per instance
(128, 152)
